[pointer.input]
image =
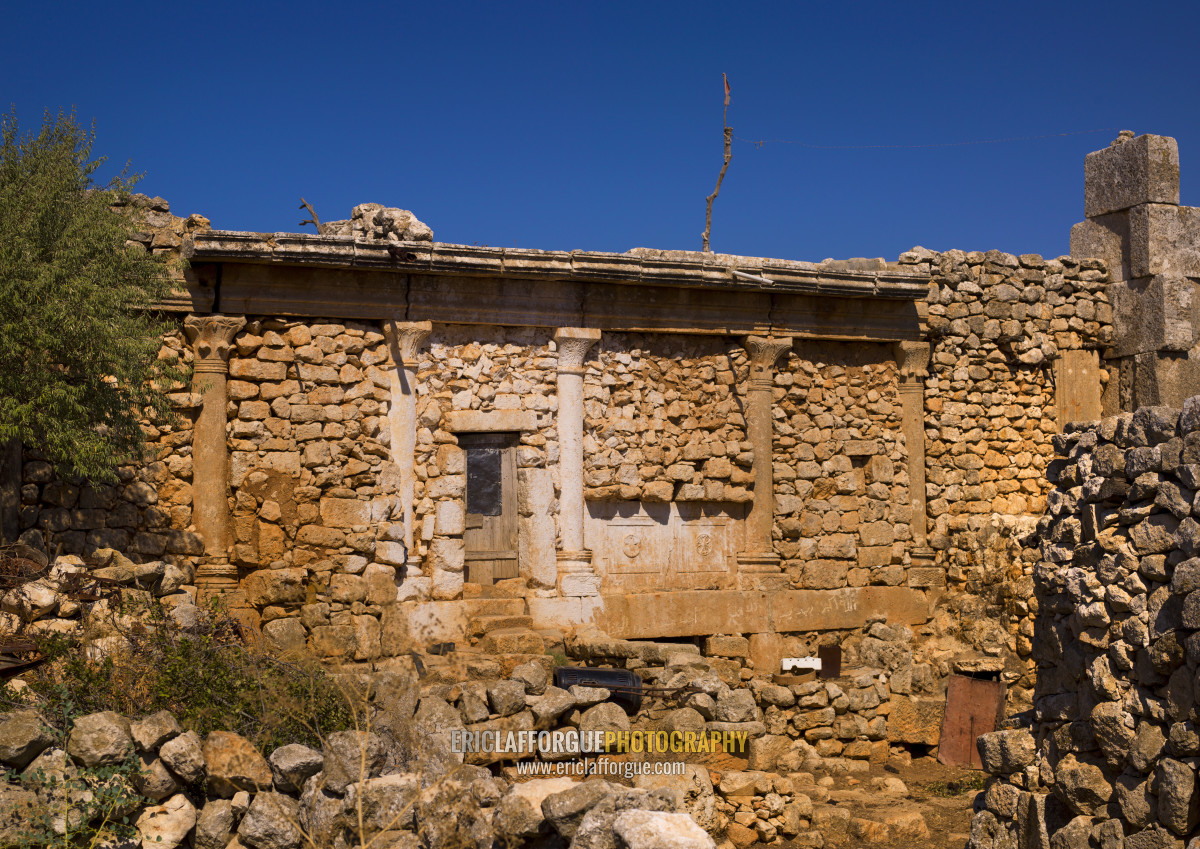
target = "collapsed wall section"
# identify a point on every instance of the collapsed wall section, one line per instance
(1112, 748)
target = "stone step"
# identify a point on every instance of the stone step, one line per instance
(512, 641)
(480, 625)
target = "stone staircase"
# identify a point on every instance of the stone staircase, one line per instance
(498, 624)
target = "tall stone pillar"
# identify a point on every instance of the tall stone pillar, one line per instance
(212, 337)
(765, 351)
(405, 338)
(913, 360)
(576, 577)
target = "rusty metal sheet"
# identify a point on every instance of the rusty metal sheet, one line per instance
(973, 707)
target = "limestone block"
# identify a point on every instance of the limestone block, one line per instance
(915, 720)
(1104, 237)
(1164, 240)
(1144, 169)
(446, 584)
(447, 554)
(275, 586)
(450, 518)
(535, 492)
(393, 553)
(536, 555)
(345, 512)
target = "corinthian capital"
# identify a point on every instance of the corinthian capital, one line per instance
(765, 352)
(573, 345)
(913, 359)
(405, 338)
(212, 337)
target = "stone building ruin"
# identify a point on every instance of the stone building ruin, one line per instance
(391, 442)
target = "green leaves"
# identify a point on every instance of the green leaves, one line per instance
(79, 340)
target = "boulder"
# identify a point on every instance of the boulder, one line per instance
(100, 739)
(736, 706)
(234, 764)
(519, 815)
(548, 707)
(565, 810)
(448, 817)
(271, 823)
(660, 830)
(152, 731)
(214, 826)
(603, 718)
(291, 766)
(166, 826)
(1006, 752)
(324, 816)
(694, 786)
(1175, 783)
(507, 697)
(1082, 786)
(155, 781)
(23, 736)
(596, 828)
(350, 757)
(388, 802)
(185, 756)
(534, 676)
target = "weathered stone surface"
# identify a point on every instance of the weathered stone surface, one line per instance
(185, 756)
(915, 720)
(519, 814)
(565, 809)
(388, 802)
(660, 830)
(1082, 786)
(271, 823)
(350, 757)
(603, 718)
(292, 765)
(507, 697)
(1006, 752)
(154, 730)
(23, 736)
(167, 825)
(100, 739)
(155, 781)
(233, 764)
(214, 825)
(1178, 806)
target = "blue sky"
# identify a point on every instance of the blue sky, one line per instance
(598, 126)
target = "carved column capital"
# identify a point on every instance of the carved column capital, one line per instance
(212, 338)
(573, 345)
(765, 352)
(913, 359)
(405, 338)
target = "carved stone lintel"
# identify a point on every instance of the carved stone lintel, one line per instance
(573, 346)
(765, 352)
(212, 338)
(913, 359)
(405, 338)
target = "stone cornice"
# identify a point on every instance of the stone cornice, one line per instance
(686, 269)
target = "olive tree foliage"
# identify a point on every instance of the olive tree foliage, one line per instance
(80, 369)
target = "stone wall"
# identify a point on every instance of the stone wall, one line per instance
(841, 489)
(147, 511)
(1112, 751)
(664, 420)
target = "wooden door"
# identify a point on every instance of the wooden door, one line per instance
(490, 537)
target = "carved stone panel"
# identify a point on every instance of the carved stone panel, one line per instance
(689, 545)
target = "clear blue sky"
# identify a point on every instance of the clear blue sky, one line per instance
(598, 126)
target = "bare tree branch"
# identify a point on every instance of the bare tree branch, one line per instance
(720, 177)
(316, 222)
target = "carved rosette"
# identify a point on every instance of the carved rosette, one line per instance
(405, 338)
(212, 338)
(765, 352)
(573, 346)
(913, 360)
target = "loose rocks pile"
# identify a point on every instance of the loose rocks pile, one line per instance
(1113, 752)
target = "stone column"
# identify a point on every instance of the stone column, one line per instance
(404, 340)
(765, 351)
(212, 337)
(576, 577)
(913, 360)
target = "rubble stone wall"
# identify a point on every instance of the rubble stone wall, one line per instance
(1112, 752)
